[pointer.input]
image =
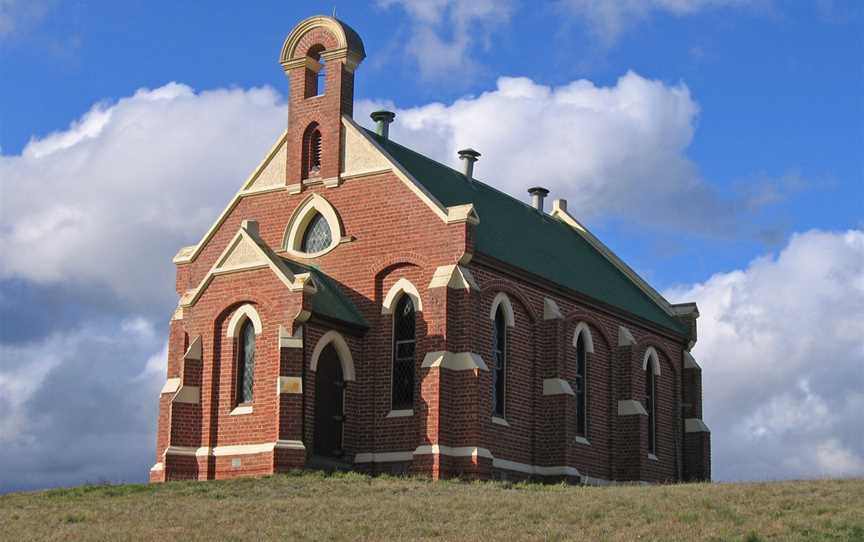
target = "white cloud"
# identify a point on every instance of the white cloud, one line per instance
(109, 200)
(781, 344)
(612, 151)
(80, 407)
(445, 31)
(609, 18)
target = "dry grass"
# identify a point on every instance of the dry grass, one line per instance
(314, 506)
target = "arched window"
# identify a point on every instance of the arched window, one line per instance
(651, 406)
(317, 236)
(499, 360)
(246, 362)
(581, 387)
(404, 346)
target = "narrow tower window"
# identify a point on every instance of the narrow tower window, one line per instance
(404, 346)
(499, 361)
(581, 387)
(246, 362)
(312, 151)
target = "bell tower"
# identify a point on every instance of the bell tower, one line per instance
(319, 57)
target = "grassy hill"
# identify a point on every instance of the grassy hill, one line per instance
(314, 506)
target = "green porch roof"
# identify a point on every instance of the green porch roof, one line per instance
(517, 234)
(329, 300)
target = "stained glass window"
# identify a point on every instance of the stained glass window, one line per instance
(404, 345)
(246, 363)
(499, 361)
(580, 387)
(317, 236)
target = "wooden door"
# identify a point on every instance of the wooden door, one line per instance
(329, 399)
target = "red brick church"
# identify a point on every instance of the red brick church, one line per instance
(359, 305)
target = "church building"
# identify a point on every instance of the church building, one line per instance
(358, 305)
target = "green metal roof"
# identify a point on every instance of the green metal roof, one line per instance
(516, 233)
(329, 300)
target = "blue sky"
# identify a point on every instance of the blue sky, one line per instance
(717, 149)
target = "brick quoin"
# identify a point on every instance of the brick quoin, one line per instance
(387, 234)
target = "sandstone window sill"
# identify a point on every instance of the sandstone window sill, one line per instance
(241, 410)
(400, 413)
(500, 421)
(582, 440)
(652, 457)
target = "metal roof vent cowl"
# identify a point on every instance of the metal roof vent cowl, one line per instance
(538, 194)
(468, 156)
(382, 120)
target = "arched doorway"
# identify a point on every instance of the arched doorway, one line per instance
(329, 402)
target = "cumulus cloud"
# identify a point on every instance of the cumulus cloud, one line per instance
(80, 406)
(445, 31)
(616, 151)
(782, 350)
(609, 18)
(109, 200)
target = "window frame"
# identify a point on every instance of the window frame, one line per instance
(581, 392)
(651, 406)
(395, 359)
(499, 370)
(246, 332)
(314, 220)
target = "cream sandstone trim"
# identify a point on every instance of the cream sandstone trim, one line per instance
(404, 413)
(243, 313)
(502, 299)
(235, 449)
(497, 420)
(188, 394)
(695, 425)
(195, 350)
(551, 310)
(581, 440)
(299, 221)
(342, 351)
(462, 451)
(289, 47)
(242, 410)
(455, 277)
(651, 355)
(289, 384)
(383, 457)
(450, 215)
(625, 338)
(631, 407)
(690, 361)
(257, 257)
(455, 361)
(557, 386)
(583, 329)
(290, 341)
(402, 286)
(171, 386)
